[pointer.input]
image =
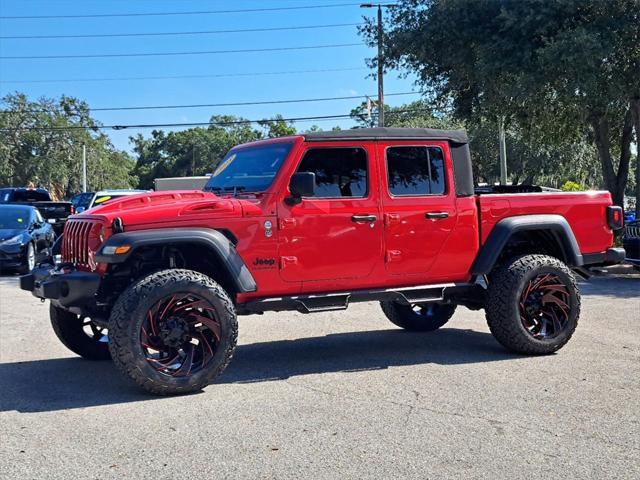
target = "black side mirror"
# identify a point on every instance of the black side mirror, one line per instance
(302, 184)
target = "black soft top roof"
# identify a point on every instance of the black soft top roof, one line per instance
(379, 133)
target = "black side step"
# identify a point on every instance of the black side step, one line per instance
(324, 302)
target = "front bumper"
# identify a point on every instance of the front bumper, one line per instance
(64, 288)
(12, 257)
(11, 261)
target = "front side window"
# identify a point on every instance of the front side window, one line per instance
(340, 172)
(248, 169)
(415, 171)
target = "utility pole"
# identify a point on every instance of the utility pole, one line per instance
(380, 71)
(380, 57)
(84, 167)
(503, 151)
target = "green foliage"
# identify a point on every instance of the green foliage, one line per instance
(418, 114)
(53, 158)
(570, 186)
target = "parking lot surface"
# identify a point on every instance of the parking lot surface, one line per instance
(334, 395)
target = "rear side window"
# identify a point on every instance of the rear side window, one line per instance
(340, 172)
(415, 171)
(30, 196)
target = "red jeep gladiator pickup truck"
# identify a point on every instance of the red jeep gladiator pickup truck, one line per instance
(312, 223)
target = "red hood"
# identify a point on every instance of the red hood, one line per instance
(160, 207)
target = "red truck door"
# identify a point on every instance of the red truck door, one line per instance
(418, 201)
(337, 233)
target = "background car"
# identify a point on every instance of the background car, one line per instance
(631, 243)
(55, 213)
(85, 201)
(25, 238)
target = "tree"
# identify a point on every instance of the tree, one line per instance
(569, 68)
(418, 114)
(41, 142)
(197, 151)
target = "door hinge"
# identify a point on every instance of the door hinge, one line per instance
(391, 219)
(284, 261)
(393, 256)
(287, 223)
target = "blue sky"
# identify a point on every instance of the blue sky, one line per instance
(191, 90)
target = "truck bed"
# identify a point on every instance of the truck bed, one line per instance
(585, 212)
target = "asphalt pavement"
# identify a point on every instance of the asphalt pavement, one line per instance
(335, 395)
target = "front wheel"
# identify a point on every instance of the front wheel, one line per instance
(29, 260)
(533, 304)
(418, 318)
(79, 334)
(173, 332)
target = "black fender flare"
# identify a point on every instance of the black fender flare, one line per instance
(213, 240)
(507, 227)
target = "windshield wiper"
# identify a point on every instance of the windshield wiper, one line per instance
(235, 189)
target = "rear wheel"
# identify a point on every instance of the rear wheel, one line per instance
(420, 318)
(173, 332)
(80, 335)
(533, 304)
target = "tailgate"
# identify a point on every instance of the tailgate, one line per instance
(54, 210)
(586, 213)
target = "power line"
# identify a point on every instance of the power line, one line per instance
(173, 77)
(197, 124)
(166, 34)
(236, 104)
(165, 54)
(160, 14)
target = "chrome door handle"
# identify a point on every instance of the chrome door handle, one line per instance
(364, 218)
(434, 215)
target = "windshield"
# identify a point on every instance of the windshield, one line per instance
(248, 169)
(14, 218)
(82, 200)
(106, 198)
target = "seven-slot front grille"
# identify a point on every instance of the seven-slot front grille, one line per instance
(79, 239)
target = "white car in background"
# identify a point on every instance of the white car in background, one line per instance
(85, 201)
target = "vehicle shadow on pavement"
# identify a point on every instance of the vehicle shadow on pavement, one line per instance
(621, 286)
(360, 351)
(63, 383)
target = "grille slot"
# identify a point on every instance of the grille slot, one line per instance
(632, 231)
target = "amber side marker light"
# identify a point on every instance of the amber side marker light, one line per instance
(116, 250)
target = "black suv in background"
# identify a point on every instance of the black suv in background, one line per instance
(631, 243)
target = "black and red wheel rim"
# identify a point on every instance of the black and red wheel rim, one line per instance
(180, 335)
(545, 306)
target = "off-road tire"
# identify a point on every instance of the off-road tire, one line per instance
(404, 316)
(69, 328)
(130, 311)
(504, 292)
